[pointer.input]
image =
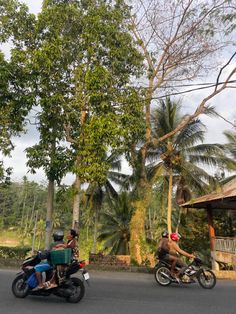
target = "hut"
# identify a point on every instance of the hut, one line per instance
(223, 249)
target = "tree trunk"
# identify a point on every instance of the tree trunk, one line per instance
(34, 234)
(137, 225)
(76, 204)
(23, 210)
(94, 249)
(50, 201)
(169, 209)
(137, 232)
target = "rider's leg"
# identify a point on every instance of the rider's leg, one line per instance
(39, 269)
(173, 260)
(182, 266)
(40, 279)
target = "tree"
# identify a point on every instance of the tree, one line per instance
(115, 226)
(44, 88)
(15, 103)
(176, 39)
(181, 157)
(97, 192)
(103, 113)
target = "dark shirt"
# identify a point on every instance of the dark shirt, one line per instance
(55, 243)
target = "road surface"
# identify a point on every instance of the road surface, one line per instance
(125, 293)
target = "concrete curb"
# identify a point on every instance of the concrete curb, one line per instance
(15, 264)
(225, 274)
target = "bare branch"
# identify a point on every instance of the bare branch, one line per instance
(200, 109)
(218, 77)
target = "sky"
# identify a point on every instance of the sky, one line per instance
(225, 103)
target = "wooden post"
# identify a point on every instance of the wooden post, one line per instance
(215, 265)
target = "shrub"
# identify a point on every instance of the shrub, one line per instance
(14, 252)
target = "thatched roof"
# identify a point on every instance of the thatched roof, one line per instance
(223, 198)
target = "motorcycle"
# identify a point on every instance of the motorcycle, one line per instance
(194, 272)
(71, 288)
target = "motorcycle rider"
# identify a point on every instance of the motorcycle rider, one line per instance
(174, 251)
(43, 266)
(163, 252)
(60, 269)
(163, 248)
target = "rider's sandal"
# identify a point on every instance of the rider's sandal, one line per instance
(47, 285)
(38, 288)
(50, 286)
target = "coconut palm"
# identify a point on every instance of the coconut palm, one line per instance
(231, 149)
(115, 226)
(96, 192)
(180, 157)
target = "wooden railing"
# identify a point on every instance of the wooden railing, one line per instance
(225, 245)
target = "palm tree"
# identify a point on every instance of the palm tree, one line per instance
(115, 227)
(96, 192)
(231, 149)
(180, 157)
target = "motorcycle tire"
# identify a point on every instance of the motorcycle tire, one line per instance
(162, 275)
(78, 292)
(206, 279)
(19, 287)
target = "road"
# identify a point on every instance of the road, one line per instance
(125, 293)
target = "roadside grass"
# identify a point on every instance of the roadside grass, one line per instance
(12, 238)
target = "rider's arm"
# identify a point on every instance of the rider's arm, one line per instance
(182, 252)
(60, 245)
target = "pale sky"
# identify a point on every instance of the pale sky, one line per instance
(225, 103)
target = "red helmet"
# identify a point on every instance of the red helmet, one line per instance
(174, 236)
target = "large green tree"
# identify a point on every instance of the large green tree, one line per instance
(104, 112)
(81, 59)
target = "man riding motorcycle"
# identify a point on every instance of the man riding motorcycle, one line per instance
(43, 266)
(169, 251)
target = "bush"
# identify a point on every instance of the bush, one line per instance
(14, 252)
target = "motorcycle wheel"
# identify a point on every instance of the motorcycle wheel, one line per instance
(78, 292)
(206, 279)
(162, 275)
(19, 287)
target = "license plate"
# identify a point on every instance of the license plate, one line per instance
(86, 276)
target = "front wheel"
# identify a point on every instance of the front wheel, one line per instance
(162, 275)
(19, 287)
(206, 279)
(78, 291)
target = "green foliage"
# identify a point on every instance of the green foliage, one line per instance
(115, 226)
(14, 252)
(195, 234)
(225, 223)
(18, 204)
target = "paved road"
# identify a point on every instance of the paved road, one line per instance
(125, 293)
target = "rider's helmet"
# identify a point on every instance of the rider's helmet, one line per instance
(58, 235)
(175, 236)
(164, 234)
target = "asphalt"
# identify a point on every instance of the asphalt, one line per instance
(121, 293)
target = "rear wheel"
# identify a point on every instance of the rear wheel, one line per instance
(162, 275)
(206, 279)
(19, 287)
(78, 291)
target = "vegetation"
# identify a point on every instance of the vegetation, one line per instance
(100, 77)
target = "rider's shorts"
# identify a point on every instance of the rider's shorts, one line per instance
(43, 266)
